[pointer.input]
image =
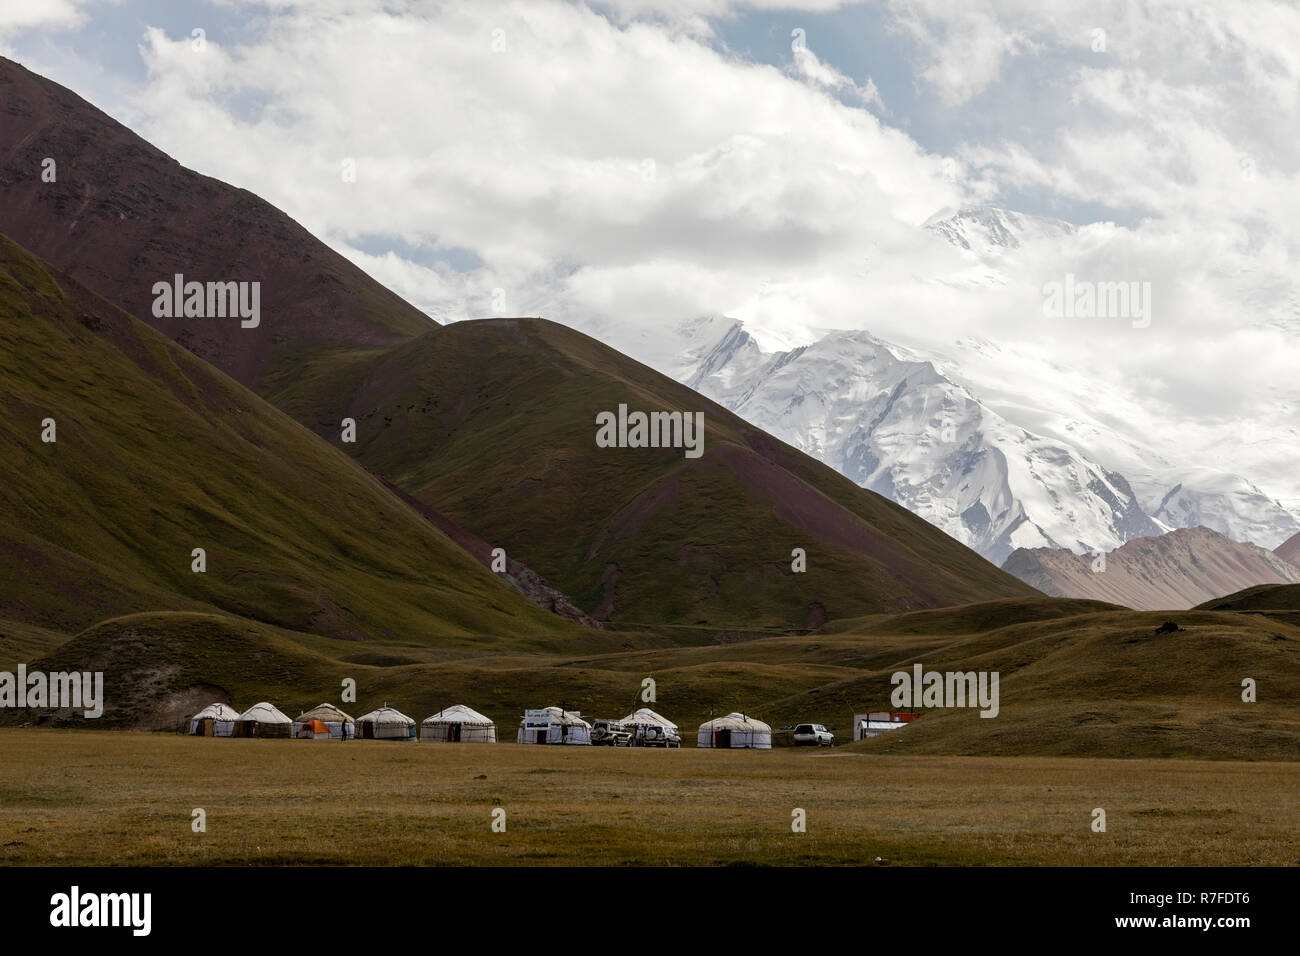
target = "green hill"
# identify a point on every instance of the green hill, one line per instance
(158, 454)
(493, 422)
(1261, 597)
(1112, 684)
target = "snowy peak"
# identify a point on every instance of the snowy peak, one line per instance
(986, 456)
(895, 425)
(989, 232)
(1227, 503)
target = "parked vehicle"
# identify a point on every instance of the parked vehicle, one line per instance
(652, 736)
(812, 735)
(609, 733)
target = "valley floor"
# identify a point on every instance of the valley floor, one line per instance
(101, 797)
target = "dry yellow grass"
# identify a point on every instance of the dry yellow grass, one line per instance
(97, 797)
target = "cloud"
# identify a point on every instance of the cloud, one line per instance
(809, 67)
(42, 14)
(539, 134)
(613, 165)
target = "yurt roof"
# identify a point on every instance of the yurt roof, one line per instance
(217, 712)
(459, 714)
(328, 713)
(387, 716)
(736, 722)
(648, 717)
(265, 713)
(562, 717)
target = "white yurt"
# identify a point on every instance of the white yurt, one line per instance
(458, 725)
(214, 720)
(551, 725)
(735, 731)
(263, 720)
(386, 723)
(336, 722)
(645, 723)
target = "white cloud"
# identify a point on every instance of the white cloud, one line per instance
(581, 143)
(42, 14)
(622, 169)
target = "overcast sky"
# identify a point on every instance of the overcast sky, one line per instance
(644, 161)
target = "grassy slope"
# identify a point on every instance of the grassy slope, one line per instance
(1110, 685)
(493, 422)
(21, 642)
(158, 453)
(1261, 597)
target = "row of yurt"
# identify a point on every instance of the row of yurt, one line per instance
(553, 725)
(461, 724)
(735, 731)
(324, 721)
(458, 725)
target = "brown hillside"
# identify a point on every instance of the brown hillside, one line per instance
(1177, 570)
(123, 215)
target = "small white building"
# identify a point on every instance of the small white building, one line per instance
(458, 725)
(263, 720)
(551, 725)
(385, 723)
(214, 720)
(882, 722)
(735, 731)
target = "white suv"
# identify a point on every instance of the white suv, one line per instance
(812, 735)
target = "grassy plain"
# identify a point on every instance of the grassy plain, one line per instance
(103, 797)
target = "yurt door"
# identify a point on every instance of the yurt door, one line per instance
(368, 730)
(722, 738)
(455, 733)
(541, 736)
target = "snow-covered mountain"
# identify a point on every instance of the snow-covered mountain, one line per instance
(890, 420)
(1177, 494)
(983, 440)
(990, 233)
(1229, 504)
(892, 423)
